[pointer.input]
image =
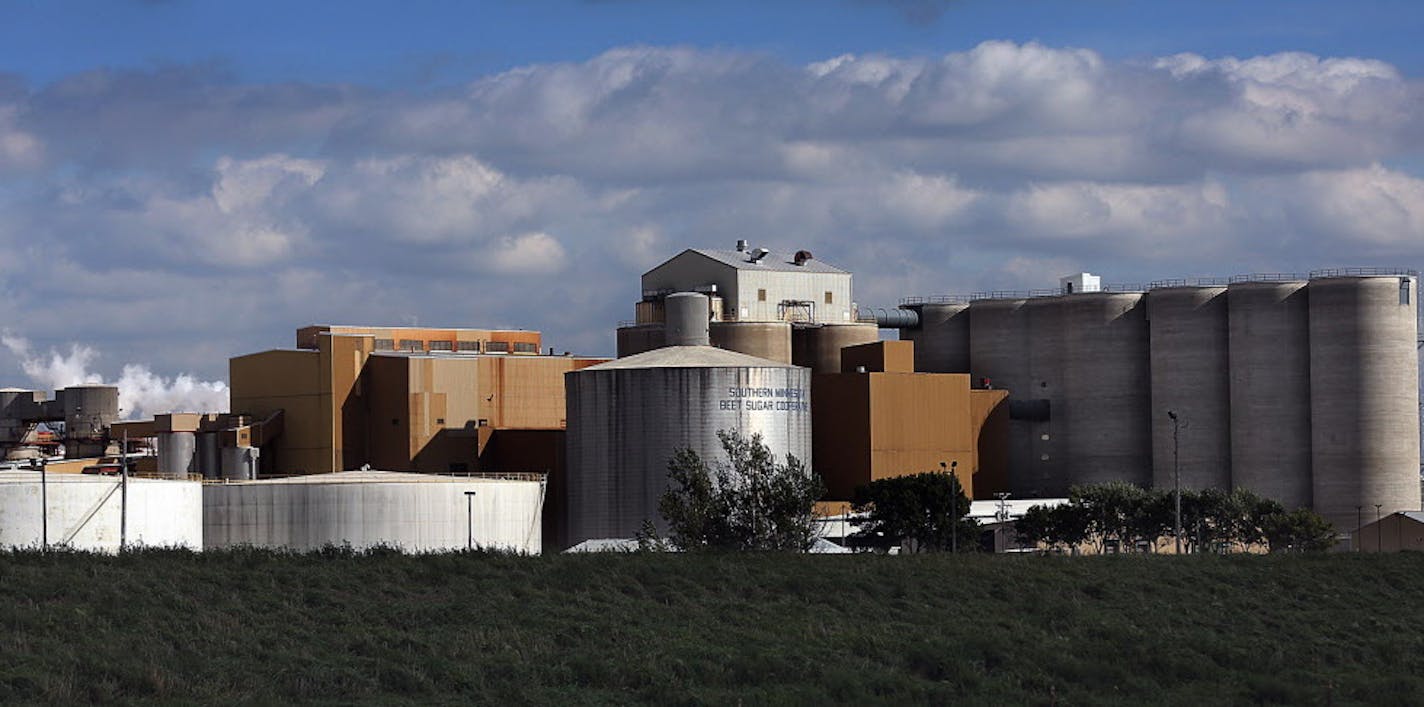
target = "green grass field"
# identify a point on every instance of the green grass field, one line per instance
(671, 629)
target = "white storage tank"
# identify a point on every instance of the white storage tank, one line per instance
(87, 512)
(627, 417)
(414, 512)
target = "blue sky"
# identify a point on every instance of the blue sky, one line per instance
(393, 43)
(182, 181)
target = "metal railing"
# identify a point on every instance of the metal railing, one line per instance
(936, 299)
(1268, 277)
(1364, 272)
(1190, 282)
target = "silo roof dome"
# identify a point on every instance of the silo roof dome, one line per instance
(689, 357)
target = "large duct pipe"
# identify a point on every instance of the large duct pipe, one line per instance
(687, 319)
(895, 318)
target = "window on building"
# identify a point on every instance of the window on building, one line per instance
(385, 345)
(439, 420)
(829, 298)
(1404, 291)
(442, 346)
(525, 347)
(467, 345)
(412, 345)
(761, 295)
(497, 347)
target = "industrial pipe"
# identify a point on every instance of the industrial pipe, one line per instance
(895, 318)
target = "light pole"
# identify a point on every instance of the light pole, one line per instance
(1176, 479)
(1003, 516)
(39, 463)
(953, 506)
(469, 520)
(1378, 529)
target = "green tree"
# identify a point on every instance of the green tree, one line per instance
(1300, 530)
(929, 509)
(750, 501)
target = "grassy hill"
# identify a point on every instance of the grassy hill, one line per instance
(670, 629)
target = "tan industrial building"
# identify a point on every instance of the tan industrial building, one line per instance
(879, 419)
(403, 399)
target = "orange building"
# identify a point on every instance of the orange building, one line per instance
(402, 399)
(878, 419)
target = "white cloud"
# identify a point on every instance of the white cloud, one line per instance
(528, 253)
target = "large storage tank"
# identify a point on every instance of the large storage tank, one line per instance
(413, 512)
(86, 512)
(627, 417)
(1106, 388)
(15, 405)
(942, 338)
(1269, 352)
(1190, 355)
(768, 340)
(1364, 383)
(176, 451)
(819, 347)
(999, 346)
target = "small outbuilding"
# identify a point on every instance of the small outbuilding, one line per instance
(1392, 533)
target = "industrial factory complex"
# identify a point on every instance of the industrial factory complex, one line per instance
(1301, 388)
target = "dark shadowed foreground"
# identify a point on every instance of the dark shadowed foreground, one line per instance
(340, 627)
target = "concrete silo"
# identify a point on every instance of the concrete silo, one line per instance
(941, 338)
(88, 412)
(627, 417)
(1040, 408)
(1106, 388)
(1364, 382)
(1190, 353)
(999, 351)
(768, 340)
(819, 347)
(1269, 355)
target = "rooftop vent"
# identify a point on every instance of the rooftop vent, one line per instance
(742, 246)
(802, 256)
(757, 254)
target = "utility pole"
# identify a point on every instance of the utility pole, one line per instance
(1176, 479)
(469, 520)
(124, 493)
(953, 507)
(1378, 529)
(1359, 523)
(44, 504)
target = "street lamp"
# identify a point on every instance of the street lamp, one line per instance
(953, 505)
(1176, 479)
(1378, 529)
(1003, 517)
(39, 463)
(469, 520)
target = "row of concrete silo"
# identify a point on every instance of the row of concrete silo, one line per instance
(1300, 388)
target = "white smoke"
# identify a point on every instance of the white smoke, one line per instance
(142, 393)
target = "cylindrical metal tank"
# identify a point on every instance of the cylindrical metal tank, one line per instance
(413, 512)
(999, 347)
(687, 319)
(1364, 383)
(1106, 388)
(1269, 362)
(627, 417)
(15, 405)
(639, 338)
(768, 340)
(941, 339)
(87, 512)
(209, 459)
(240, 463)
(1190, 355)
(819, 347)
(175, 454)
(1036, 412)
